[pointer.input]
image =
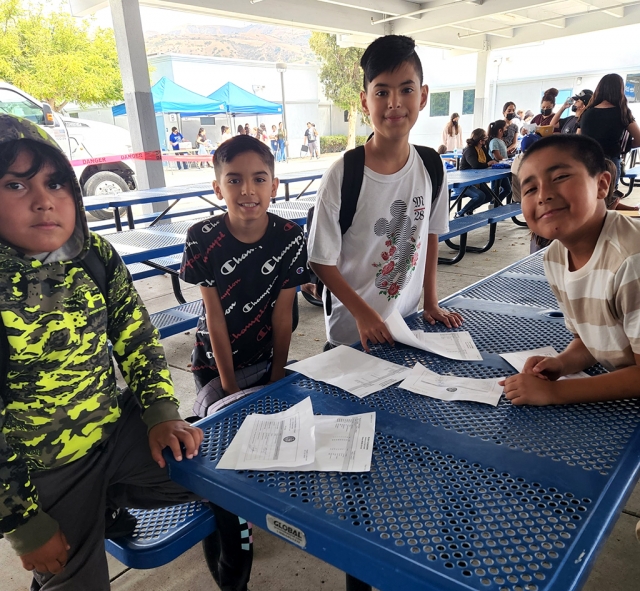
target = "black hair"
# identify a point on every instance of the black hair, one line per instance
(174, 129)
(41, 155)
(550, 96)
(495, 127)
(476, 135)
(241, 144)
(387, 54)
(579, 147)
(507, 105)
(611, 89)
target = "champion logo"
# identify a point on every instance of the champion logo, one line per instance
(299, 270)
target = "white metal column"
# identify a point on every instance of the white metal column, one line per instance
(481, 103)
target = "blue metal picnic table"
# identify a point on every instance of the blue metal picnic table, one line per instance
(460, 495)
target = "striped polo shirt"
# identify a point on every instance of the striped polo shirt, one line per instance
(601, 301)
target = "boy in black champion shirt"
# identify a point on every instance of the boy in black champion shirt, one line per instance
(248, 263)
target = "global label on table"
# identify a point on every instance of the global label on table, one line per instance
(287, 531)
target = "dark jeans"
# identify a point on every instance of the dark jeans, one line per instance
(479, 195)
(502, 188)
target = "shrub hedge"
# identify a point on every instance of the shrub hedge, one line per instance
(338, 143)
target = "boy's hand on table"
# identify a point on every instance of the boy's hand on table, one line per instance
(372, 328)
(435, 313)
(529, 389)
(546, 368)
(172, 434)
(51, 557)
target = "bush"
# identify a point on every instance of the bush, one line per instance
(338, 143)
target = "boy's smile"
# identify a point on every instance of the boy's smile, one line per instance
(38, 213)
(560, 199)
(247, 187)
(393, 101)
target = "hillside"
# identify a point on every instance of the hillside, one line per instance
(253, 42)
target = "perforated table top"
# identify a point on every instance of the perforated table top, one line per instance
(460, 496)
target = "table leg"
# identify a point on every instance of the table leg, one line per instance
(116, 219)
(286, 191)
(354, 584)
(304, 190)
(462, 249)
(132, 224)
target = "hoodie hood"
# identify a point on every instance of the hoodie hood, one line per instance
(16, 128)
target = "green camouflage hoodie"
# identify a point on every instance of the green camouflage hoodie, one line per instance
(61, 392)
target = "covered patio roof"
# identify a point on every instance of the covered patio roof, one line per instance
(463, 25)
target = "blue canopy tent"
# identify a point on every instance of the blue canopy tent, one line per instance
(242, 102)
(169, 97)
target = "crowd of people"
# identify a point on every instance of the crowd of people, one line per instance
(73, 445)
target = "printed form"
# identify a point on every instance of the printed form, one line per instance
(352, 370)
(428, 383)
(453, 345)
(519, 358)
(339, 443)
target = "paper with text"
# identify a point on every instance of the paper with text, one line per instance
(354, 371)
(283, 439)
(453, 345)
(519, 358)
(425, 382)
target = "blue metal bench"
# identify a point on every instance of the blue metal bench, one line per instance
(462, 226)
(178, 319)
(161, 535)
(631, 176)
(146, 218)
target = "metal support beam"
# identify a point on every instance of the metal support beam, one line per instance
(132, 57)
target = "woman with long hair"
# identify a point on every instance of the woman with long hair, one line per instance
(547, 104)
(510, 136)
(498, 151)
(240, 130)
(578, 104)
(607, 117)
(475, 156)
(452, 133)
(203, 145)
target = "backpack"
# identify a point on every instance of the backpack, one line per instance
(96, 268)
(350, 193)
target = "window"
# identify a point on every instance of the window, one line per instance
(207, 120)
(15, 104)
(439, 104)
(468, 101)
(632, 88)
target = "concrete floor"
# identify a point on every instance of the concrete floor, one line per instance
(279, 566)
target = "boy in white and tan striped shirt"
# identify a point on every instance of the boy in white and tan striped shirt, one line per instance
(593, 267)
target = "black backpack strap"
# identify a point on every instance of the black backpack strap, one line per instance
(351, 185)
(95, 267)
(435, 168)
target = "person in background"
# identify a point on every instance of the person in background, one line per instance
(475, 156)
(547, 105)
(442, 149)
(510, 136)
(607, 117)
(174, 139)
(452, 134)
(281, 134)
(247, 129)
(226, 134)
(310, 138)
(240, 130)
(203, 145)
(317, 139)
(527, 141)
(578, 104)
(498, 151)
(273, 138)
(520, 114)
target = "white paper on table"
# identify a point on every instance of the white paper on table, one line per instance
(352, 370)
(428, 383)
(453, 345)
(518, 359)
(284, 439)
(343, 444)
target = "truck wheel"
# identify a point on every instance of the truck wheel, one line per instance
(105, 183)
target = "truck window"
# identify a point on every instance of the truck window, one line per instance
(15, 104)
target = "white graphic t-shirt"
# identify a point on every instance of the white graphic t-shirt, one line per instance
(382, 255)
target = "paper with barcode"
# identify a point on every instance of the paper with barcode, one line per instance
(519, 358)
(453, 345)
(354, 371)
(340, 444)
(428, 383)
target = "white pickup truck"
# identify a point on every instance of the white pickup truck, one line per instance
(79, 139)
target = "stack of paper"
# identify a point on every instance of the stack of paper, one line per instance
(425, 382)
(297, 440)
(519, 358)
(453, 345)
(352, 370)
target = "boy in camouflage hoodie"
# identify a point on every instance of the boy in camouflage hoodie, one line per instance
(70, 444)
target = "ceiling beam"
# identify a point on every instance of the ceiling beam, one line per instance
(384, 7)
(465, 13)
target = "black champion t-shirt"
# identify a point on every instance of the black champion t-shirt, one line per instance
(248, 278)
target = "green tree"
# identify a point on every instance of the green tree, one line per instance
(56, 57)
(341, 76)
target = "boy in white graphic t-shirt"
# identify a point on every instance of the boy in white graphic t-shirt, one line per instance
(388, 256)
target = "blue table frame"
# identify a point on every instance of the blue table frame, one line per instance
(460, 496)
